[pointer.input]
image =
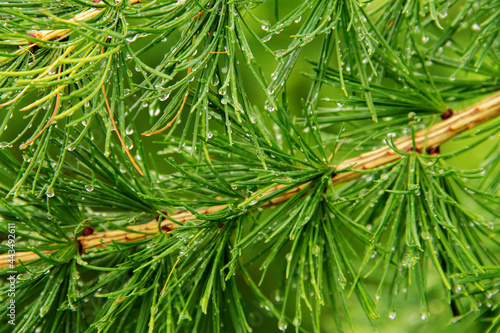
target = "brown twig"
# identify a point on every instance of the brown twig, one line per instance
(25, 257)
(170, 123)
(173, 120)
(47, 35)
(118, 133)
(56, 107)
(431, 137)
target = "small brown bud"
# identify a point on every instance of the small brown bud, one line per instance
(87, 231)
(447, 114)
(433, 151)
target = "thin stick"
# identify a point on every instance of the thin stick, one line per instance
(47, 35)
(434, 136)
(56, 107)
(178, 112)
(118, 133)
(15, 98)
(173, 120)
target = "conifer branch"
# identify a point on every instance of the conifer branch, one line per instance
(429, 138)
(48, 35)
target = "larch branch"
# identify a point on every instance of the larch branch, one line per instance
(47, 35)
(431, 137)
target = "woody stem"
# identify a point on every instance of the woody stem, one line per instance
(431, 137)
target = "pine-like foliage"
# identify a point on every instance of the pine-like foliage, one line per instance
(239, 165)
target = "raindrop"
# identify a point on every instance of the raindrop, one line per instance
(277, 296)
(128, 142)
(282, 325)
(475, 27)
(164, 97)
(215, 80)
(307, 39)
(268, 106)
(133, 38)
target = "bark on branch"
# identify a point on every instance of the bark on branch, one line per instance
(431, 137)
(47, 35)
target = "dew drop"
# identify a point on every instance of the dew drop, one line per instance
(475, 27)
(164, 97)
(131, 39)
(282, 325)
